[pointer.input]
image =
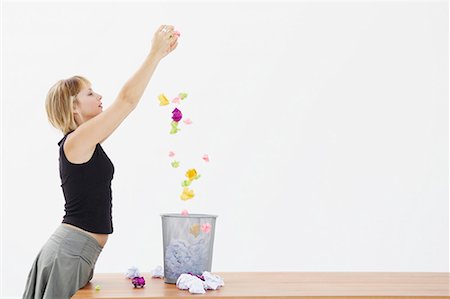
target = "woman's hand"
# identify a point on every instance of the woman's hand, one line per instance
(164, 41)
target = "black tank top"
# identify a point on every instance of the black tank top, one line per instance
(87, 191)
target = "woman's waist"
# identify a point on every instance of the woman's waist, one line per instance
(101, 238)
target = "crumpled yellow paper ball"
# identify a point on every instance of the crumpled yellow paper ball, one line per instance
(163, 100)
(195, 229)
(187, 194)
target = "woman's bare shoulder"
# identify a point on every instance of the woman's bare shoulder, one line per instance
(75, 150)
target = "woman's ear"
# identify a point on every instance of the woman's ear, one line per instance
(75, 107)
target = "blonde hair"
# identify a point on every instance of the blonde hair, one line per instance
(59, 102)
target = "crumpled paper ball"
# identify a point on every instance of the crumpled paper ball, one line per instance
(191, 174)
(213, 281)
(177, 115)
(174, 127)
(163, 100)
(138, 282)
(158, 272)
(132, 272)
(192, 282)
(187, 194)
(182, 95)
(206, 227)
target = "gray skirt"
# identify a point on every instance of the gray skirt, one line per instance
(64, 265)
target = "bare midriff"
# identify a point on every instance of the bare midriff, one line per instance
(101, 238)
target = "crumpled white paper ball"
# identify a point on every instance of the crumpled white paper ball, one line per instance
(158, 272)
(212, 281)
(132, 272)
(192, 283)
(197, 286)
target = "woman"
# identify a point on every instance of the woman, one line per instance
(66, 262)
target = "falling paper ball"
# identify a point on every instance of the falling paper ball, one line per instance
(175, 164)
(191, 174)
(174, 128)
(177, 115)
(195, 229)
(187, 121)
(205, 157)
(183, 95)
(97, 287)
(163, 100)
(185, 183)
(187, 194)
(176, 100)
(171, 154)
(184, 212)
(206, 227)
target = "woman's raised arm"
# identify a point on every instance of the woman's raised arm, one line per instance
(83, 140)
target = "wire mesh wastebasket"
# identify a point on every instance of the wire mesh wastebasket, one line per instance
(188, 244)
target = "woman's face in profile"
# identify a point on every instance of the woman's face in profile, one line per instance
(88, 103)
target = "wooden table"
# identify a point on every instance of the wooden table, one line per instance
(325, 285)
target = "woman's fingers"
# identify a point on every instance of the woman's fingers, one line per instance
(173, 46)
(167, 28)
(174, 40)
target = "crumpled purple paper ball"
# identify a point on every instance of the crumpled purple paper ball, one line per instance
(176, 115)
(138, 281)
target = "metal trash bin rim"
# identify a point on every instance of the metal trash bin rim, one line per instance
(189, 215)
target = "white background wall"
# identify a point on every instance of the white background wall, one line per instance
(326, 124)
